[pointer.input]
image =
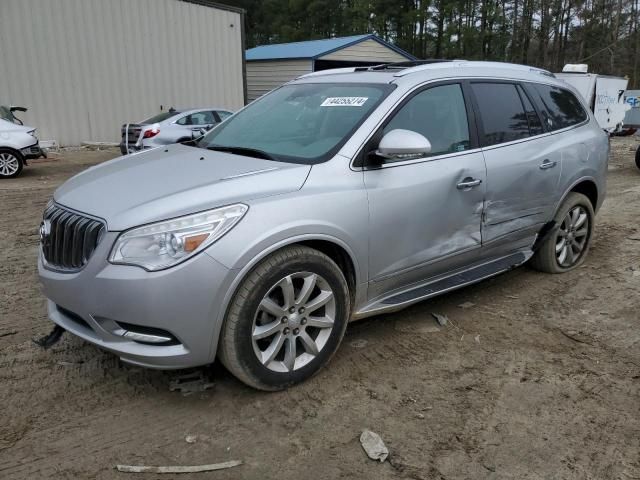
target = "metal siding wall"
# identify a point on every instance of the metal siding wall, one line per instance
(85, 67)
(264, 76)
(367, 51)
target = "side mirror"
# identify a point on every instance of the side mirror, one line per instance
(402, 144)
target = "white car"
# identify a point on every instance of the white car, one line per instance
(18, 143)
(172, 126)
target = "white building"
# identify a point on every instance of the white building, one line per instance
(85, 67)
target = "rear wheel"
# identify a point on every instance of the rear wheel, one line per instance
(567, 245)
(638, 157)
(286, 320)
(11, 163)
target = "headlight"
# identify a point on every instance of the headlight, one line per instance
(165, 244)
(32, 132)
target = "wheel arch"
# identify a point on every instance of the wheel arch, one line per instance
(586, 186)
(589, 189)
(14, 151)
(333, 247)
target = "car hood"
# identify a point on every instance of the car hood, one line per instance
(173, 181)
(6, 126)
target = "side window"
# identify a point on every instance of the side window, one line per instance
(186, 120)
(440, 115)
(197, 119)
(224, 115)
(502, 113)
(560, 107)
(202, 118)
(535, 125)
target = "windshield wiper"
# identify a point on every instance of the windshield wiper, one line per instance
(250, 152)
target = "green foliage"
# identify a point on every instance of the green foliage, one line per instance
(545, 33)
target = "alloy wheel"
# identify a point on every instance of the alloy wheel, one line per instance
(293, 322)
(9, 164)
(572, 237)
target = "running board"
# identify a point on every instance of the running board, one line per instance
(458, 280)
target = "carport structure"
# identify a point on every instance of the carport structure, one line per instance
(269, 66)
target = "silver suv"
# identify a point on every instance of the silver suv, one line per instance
(338, 196)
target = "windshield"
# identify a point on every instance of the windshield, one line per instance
(161, 117)
(303, 123)
(6, 114)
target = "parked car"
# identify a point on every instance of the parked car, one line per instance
(18, 143)
(172, 126)
(337, 196)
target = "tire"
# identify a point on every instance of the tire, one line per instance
(266, 363)
(11, 163)
(570, 236)
(638, 157)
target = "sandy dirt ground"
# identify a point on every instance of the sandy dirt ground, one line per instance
(538, 379)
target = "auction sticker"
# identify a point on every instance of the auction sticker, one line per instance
(344, 102)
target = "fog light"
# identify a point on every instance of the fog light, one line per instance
(146, 338)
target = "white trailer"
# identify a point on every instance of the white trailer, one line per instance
(603, 93)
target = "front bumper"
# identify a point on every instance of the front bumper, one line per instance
(184, 301)
(32, 151)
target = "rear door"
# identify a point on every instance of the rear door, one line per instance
(523, 165)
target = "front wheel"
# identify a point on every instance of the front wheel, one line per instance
(286, 319)
(11, 163)
(567, 245)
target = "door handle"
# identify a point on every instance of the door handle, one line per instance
(547, 164)
(469, 183)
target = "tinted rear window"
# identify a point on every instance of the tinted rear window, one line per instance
(502, 113)
(161, 117)
(559, 107)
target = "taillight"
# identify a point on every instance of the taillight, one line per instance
(151, 133)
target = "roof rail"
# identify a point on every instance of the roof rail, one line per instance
(473, 63)
(330, 71)
(409, 64)
(407, 68)
(374, 68)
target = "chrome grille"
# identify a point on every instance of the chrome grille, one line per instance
(67, 238)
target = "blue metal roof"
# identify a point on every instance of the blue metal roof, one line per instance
(313, 49)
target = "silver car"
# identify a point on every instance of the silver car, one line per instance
(338, 196)
(18, 143)
(172, 126)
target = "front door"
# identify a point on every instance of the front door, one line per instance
(425, 212)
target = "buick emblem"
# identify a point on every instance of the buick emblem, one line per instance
(45, 232)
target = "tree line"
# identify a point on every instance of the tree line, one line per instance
(543, 33)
